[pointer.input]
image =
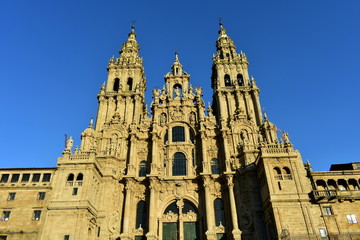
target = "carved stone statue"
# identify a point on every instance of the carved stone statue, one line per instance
(285, 136)
(177, 92)
(69, 143)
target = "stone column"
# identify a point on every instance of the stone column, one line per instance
(130, 166)
(205, 160)
(236, 231)
(136, 111)
(209, 206)
(125, 235)
(226, 151)
(180, 204)
(258, 107)
(111, 108)
(151, 235)
(101, 116)
(154, 160)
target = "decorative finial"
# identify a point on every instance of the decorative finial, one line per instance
(265, 116)
(132, 34)
(176, 56)
(133, 22)
(91, 122)
(220, 22)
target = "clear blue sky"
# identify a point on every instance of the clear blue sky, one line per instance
(304, 56)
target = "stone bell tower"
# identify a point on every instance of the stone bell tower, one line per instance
(123, 96)
(234, 92)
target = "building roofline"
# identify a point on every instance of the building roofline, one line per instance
(45, 168)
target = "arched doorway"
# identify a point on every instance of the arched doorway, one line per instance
(180, 221)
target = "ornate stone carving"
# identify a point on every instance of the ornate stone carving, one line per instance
(177, 114)
(190, 216)
(170, 217)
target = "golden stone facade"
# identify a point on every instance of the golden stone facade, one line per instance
(187, 171)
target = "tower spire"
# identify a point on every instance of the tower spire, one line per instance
(176, 67)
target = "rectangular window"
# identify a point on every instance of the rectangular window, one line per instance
(3, 237)
(5, 216)
(15, 177)
(36, 215)
(351, 219)
(4, 178)
(75, 191)
(323, 233)
(41, 195)
(178, 134)
(66, 237)
(25, 177)
(327, 211)
(46, 177)
(36, 177)
(11, 196)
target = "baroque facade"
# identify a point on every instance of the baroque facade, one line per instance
(187, 171)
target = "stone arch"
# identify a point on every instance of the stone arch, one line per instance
(70, 177)
(170, 199)
(116, 84)
(353, 183)
(246, 132)
(80, 177)
(332, 184)
(240, 79)
(276, 171)
(342, 184)
(129, 84)
(321, 185)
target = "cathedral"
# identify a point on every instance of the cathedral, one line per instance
(184, 171)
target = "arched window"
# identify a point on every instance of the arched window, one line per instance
(332, 184)
(342, 185)
(321, 185)
(188, 206)
(179, 164)
(141, 216)
(172, 208)
(215, 169)
(79, 177)
(116, 84)
(286, 170)
(219, 212)
(287, 173)
(227, 80)
(353, 183)
(70, 177)
(240, 80)
(143, 168)
(178, 134)
(129, 84)
(277, 173)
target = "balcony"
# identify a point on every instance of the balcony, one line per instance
(333, 195)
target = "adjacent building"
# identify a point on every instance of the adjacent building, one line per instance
(185, 171)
